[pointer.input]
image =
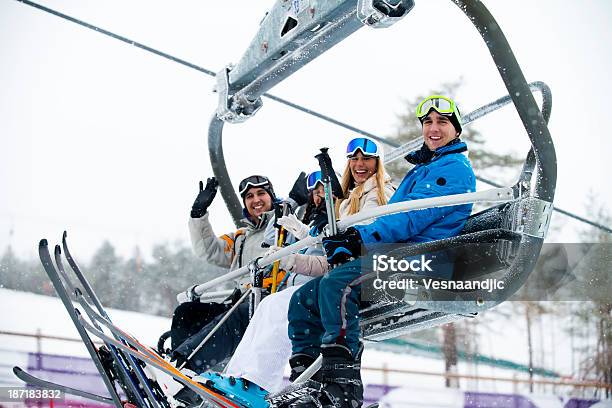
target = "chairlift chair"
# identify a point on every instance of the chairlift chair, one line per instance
(292, 34)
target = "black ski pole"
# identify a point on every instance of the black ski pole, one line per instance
(326, 172)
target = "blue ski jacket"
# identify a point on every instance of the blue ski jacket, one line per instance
(447, 171)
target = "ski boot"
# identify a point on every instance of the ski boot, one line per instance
(290, 394)
(341, 379)
(299, 363)
(240, 390)
(186, 397)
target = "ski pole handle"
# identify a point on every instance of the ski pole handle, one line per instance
(328, 173)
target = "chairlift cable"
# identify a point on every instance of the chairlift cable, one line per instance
(272, 97)
(117, 37)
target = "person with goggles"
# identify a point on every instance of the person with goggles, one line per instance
(192, 321)
(265, 349)
(364, 180)
(236, 249)
(324, 313)
(315, 213)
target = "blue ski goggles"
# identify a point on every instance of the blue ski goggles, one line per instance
(313, 179)
(367, 147)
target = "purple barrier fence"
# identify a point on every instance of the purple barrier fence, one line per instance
(75, 372)
(491, 400)
(580, 403)
(80, 373)
(374, 392)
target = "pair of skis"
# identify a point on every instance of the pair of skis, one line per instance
(122, 359)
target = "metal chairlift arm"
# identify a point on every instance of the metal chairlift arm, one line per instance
(291, 35)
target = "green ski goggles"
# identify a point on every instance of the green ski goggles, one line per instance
(441, 104)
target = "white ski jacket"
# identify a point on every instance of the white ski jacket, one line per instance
(369, 197)
(235, 249)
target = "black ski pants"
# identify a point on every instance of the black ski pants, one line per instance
(220, 346)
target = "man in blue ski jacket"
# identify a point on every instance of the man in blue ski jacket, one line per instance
(324, 313)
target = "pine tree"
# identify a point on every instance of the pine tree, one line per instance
(10, 270)
(106, 271)
(130, 283)
(174, 269)
(597, 311)
(22, 275)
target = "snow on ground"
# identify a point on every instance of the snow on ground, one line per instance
(31, 314)
(28, 313)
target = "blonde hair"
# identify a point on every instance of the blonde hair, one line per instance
(348, 183)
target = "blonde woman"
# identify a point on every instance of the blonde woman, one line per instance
(364, 181)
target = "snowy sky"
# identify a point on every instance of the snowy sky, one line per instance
(109, 141)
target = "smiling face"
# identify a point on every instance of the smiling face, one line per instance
(318, 195)
(438, 130)
(257, 201)
(362, 167)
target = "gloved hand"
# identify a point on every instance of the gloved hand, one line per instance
(299, 191)
(292, 224)
(318, 224)
(271, 250)
(327, 170)
(205, 197)
(342, 247)
(287, 263)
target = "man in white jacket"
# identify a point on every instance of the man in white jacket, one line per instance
(232, 250)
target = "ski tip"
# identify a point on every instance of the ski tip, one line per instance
(58, 250)
(17, 370)
(64, 235)
(43, 243)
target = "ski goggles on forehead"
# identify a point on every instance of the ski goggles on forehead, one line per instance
(313, 179)
(252, 181)
(367, 147)
(441, 104)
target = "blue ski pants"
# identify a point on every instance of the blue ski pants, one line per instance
(325, 310)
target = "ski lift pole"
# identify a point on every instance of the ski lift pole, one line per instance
(331, 211)
(326, 177)
(275, 267)
(281, 234)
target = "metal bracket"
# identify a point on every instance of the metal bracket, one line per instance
(532, 217)
(382, 13)
(254, 267)
(230, 109)
(522, 189)
(256, 285)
